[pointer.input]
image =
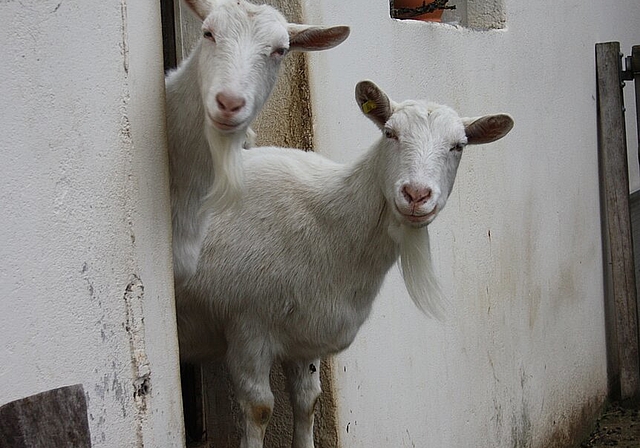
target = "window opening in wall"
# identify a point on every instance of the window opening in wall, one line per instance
(419, 9)
(474, 14)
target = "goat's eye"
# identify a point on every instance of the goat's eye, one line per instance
(208, 35)
(457, 148)
(390, 134)
(279, 52)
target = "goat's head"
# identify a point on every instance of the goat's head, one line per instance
(421, 148)
(418, 157)
(241, 50)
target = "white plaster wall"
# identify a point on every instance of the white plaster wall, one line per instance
(84, 192)
(518, 248)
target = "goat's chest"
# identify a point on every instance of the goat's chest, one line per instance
(325, 325)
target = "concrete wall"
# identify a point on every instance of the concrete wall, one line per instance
(85, 264)
(521, 359)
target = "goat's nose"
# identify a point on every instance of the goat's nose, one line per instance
(416, 195)
(230, 103)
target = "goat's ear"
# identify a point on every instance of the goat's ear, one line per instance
(373, 102)
(201, 8)
(487, 129)
(315, 38)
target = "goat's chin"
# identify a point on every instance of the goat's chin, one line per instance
(414, 222)
(417, 270)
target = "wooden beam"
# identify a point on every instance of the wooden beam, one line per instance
(620, 288)
(56, 418)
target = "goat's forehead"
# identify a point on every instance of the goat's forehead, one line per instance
(426, 113)
(233, 16)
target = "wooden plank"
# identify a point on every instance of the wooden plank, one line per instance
(620, 291)
(56, 418)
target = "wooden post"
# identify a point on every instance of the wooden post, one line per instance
(620, 288)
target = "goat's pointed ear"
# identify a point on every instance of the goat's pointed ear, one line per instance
(373, 102)
(487, 129)
(201, 8)
(315, 38)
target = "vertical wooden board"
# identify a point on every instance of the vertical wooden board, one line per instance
(56, 418)
(622, 320)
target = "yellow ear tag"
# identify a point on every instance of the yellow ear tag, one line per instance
(368, 106)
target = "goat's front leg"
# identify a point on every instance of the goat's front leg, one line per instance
(249, 370)
(303, 378)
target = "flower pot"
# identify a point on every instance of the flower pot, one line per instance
(435, 16)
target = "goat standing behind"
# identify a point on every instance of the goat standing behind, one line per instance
(212, 98)
(291, 274)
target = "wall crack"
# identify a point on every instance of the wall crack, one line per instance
(134, 326)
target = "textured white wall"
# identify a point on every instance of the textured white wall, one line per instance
(518, 248)
(85, 265)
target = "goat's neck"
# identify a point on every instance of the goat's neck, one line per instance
(357, 198)
(192, 143)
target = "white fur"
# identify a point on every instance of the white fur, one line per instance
(291, 274)
(237, 59)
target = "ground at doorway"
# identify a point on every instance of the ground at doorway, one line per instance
(618, 426)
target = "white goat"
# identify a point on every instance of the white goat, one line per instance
(291, 274)
(213, 97)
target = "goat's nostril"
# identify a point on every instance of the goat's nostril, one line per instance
(230, 103)
(236, 105)
(416, 195)
(407, 194)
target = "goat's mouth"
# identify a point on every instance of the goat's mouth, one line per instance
(226, 125)
(417, 219)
